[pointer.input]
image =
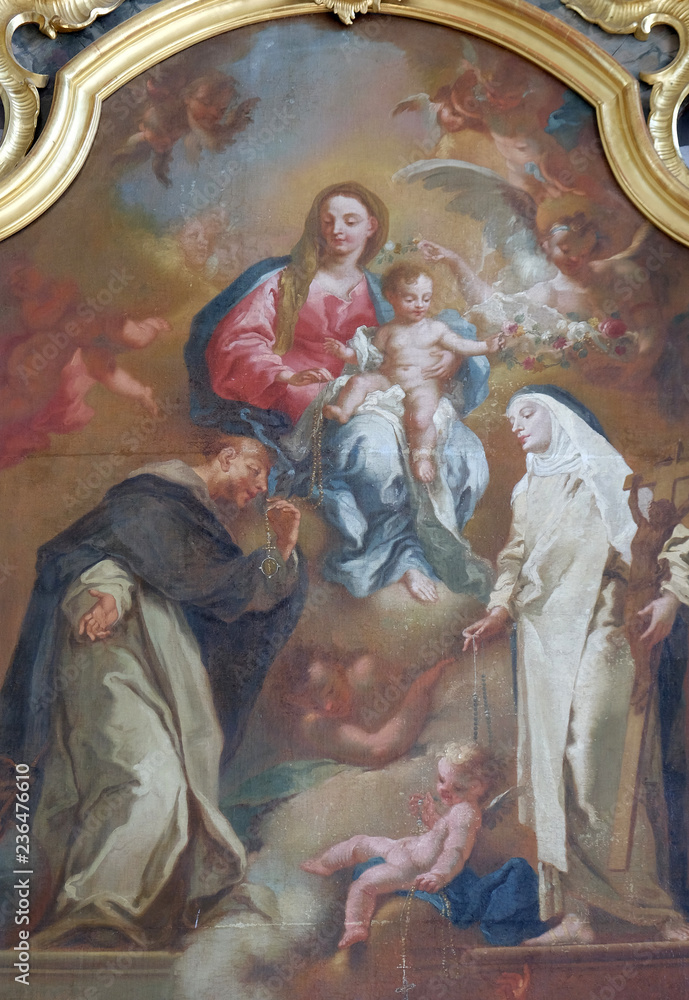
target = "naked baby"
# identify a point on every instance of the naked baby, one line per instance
(408, 348)
(467, 776)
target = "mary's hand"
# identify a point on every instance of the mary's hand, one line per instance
(308, 376)
(446, 365)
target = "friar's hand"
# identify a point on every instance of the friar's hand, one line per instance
(284, 518)
(493, 625)
(96, 622)
(658, 617)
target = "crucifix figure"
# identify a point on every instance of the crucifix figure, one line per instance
(669, 483)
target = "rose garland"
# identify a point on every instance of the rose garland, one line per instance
(535, 349)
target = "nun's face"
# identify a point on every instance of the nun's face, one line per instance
(531, 423)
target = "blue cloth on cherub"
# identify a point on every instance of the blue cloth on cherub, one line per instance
(503, 903)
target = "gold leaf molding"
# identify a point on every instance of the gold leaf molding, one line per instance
(98, 71)
(671, 83)
(18, 86)
(348, 11)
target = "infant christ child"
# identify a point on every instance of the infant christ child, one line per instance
(409, 344)
(467, 776)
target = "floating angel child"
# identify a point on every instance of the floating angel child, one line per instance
(61, 348)
(202, 110)
(531, 119)
(433, 863)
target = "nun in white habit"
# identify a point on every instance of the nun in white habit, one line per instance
(562, 578)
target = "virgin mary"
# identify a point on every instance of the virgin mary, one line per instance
(257, 352)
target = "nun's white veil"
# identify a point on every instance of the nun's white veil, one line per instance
(575, 447)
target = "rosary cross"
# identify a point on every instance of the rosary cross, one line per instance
(406, 986)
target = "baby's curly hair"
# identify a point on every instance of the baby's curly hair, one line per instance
(489, 766)
(405, 272)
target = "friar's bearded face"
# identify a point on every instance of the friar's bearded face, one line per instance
(245, 471)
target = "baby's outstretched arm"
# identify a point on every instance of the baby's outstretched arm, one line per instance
(463, 823)
(462, 345)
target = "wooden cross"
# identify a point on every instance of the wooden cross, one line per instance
(668, 477)
(669, 481)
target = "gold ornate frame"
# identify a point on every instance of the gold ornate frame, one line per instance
(645, 161)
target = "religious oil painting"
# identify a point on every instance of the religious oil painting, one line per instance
(344, 475)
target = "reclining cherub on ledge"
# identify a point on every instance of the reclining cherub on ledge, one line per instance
(433, 863)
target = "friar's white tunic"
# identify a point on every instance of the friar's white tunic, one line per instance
(128, 820)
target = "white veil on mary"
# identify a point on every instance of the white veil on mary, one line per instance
(579, 445)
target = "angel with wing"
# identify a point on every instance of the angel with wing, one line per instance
(577, 274)
(432, 863)
(202, 110)
(531, 120)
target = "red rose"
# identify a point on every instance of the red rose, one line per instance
(560, 343)
(620, 349)
(529, 364)
(613, 328)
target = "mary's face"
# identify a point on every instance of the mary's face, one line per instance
(531, 422)
(346, 226)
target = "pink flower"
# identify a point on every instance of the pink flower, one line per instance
(509, 329)
(620, 349)
(528, 364)
(560, 343)
(613, 328)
